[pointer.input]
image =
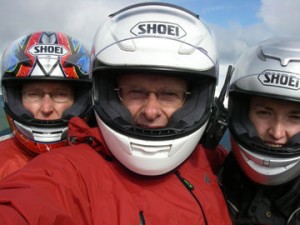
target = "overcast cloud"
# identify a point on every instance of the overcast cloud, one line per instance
(81, 18)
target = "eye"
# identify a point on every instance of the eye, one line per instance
(295, 116)
(134, 93)
(263, 113)
(171, 95)
(61, 93)
(32, 95)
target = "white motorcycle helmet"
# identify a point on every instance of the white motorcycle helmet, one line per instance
(154, 38)
(270, 69)
(44, 56)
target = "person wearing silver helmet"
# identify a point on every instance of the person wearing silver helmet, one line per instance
(154, 72)
(260, 178)
(45, 81)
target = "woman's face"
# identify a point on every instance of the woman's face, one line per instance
(276, 121)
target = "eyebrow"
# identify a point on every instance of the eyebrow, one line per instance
(295, 111)
(261, 105)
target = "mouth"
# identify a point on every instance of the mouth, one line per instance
(145, 126)
(274, 145)
(150, 127)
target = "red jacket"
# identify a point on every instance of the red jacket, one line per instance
(78, 185)
(12, 156)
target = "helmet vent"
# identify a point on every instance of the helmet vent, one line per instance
(155, 151)
(47, 122)
(154, 132)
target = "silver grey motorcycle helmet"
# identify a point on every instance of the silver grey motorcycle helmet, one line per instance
(270, 69)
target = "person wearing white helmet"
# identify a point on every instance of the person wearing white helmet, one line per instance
(40, 76)
(154, 71)
(260, 177)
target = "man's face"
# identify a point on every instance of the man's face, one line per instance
(276, 121)
(47, 100)
(151, 99)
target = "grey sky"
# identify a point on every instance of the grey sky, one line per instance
(81, 18)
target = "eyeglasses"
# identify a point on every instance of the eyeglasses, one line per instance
(59, 95)
(138, 95)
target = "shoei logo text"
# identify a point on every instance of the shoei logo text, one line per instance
(158, 29)
(48, 49)
(279, 79)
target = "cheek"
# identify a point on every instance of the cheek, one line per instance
(31, 107)
(63, 107)
(169, 111)
(133, 109)
(262, 128)
(292, 130)
(260, 125)
(69, 104)
(261, 131)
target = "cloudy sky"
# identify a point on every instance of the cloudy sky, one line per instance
(237, 24)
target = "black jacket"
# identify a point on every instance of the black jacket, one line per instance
(252, 203)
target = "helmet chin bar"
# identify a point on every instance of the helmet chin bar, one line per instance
(267, 169)
(44, 135)
(149, 157)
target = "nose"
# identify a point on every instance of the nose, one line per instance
(47, 105)
(152, 107)
(277, 130)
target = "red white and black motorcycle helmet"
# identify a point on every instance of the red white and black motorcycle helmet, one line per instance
(44, 56)
(154, 38)
(270, 69)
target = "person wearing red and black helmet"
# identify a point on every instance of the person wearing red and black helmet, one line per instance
(45, 82)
